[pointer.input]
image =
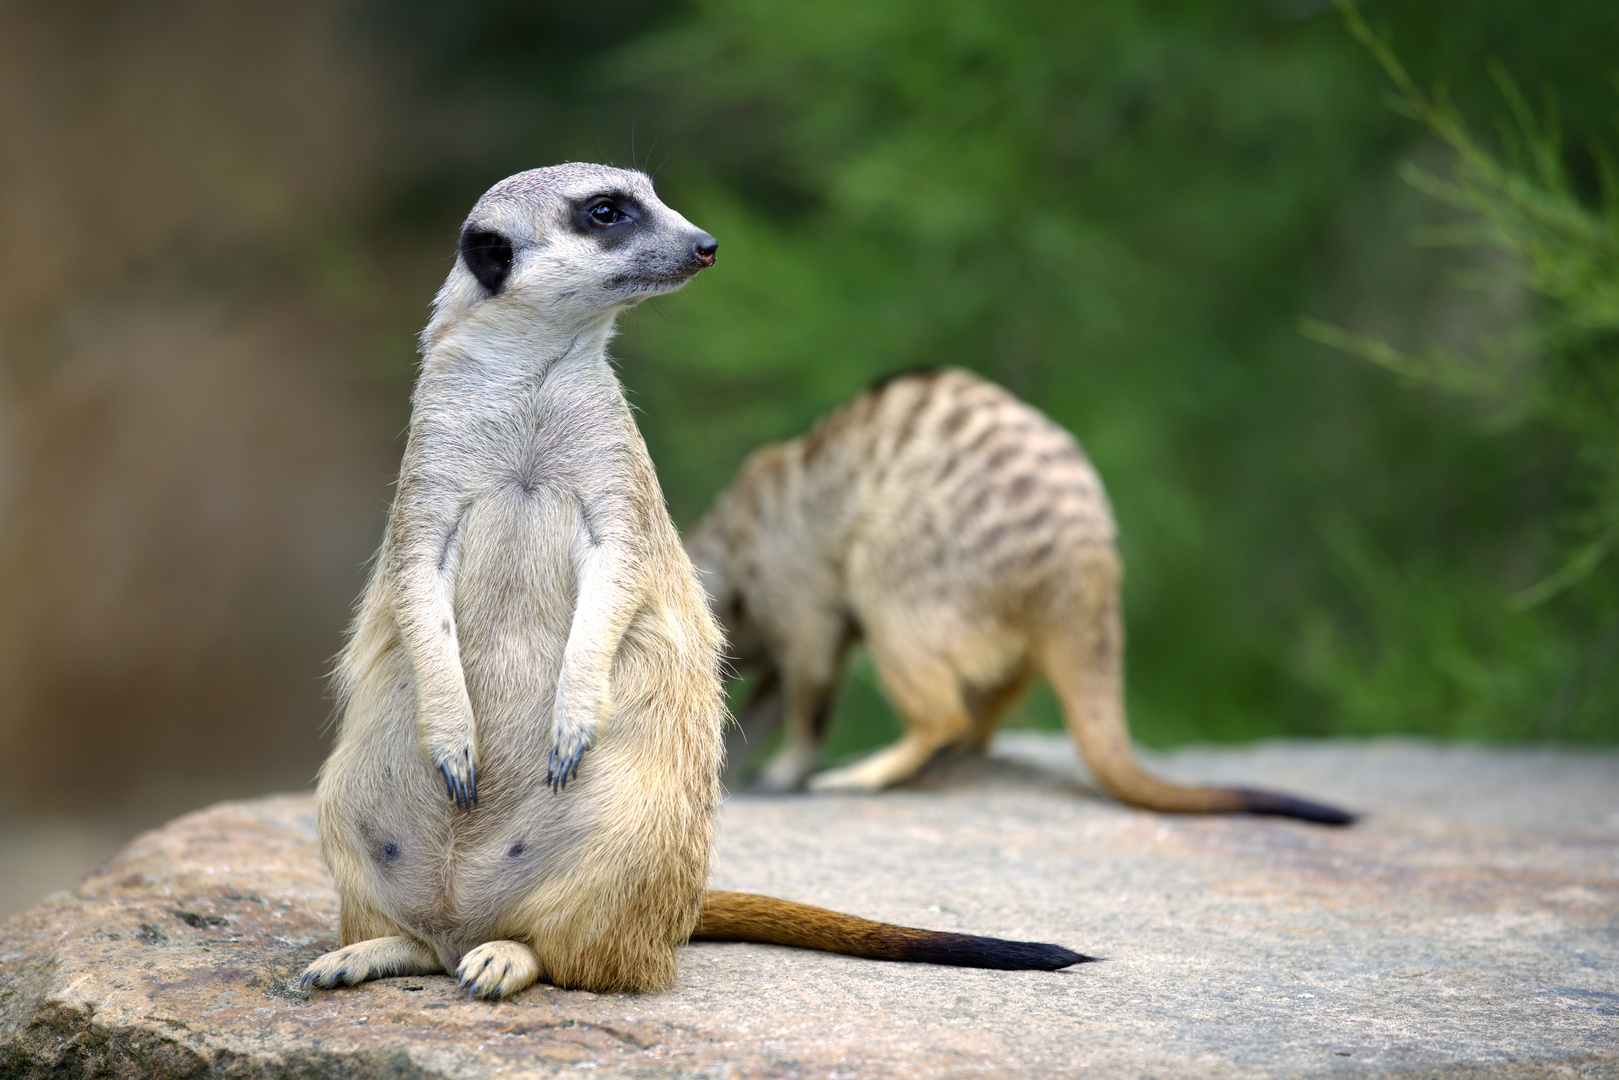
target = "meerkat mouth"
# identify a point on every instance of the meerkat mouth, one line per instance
(648, 284)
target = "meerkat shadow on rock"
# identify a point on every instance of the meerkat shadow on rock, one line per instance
(530, 715)
(968, 541)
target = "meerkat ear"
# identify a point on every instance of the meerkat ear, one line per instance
(488, 255)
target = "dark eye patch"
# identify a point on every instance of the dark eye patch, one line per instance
(488, 255)
(608, 217)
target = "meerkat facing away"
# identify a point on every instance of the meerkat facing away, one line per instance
(968, 539)
(528, 749)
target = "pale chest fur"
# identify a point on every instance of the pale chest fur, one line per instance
(507, 481)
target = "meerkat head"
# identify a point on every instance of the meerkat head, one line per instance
(567, 246)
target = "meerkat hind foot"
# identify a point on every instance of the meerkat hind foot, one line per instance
(850, 779)
(376, 958)
(900, 761)
(497, 969)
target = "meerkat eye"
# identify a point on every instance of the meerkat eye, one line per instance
(606, 213)
(489, 256)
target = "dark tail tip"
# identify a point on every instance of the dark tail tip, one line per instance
(1279, 805)
(968, 950)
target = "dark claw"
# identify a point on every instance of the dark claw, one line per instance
(557, 774)
(463, 793)
(451, 785)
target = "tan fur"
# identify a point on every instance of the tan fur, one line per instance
(969, 540)
(531, 602)
(733, 916)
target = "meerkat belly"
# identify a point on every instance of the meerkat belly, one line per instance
(514, 602)
(449, 874)
(515, 592)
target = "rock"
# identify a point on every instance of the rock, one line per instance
(1466, 928)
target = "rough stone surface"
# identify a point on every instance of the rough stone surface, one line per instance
(1467, 928)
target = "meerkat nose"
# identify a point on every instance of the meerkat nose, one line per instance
(703, 249)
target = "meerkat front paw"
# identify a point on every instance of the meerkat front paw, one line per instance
(497, 969)
(457, 764)
(573, 731)
(565, 757)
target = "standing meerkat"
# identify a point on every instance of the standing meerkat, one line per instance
(968, 539)
(527, 754)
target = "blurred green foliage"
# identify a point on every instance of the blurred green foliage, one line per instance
(1559, 369)
(1120, 211)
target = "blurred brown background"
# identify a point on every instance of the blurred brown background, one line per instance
(193, 454)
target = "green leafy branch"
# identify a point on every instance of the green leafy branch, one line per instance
(1569, 256)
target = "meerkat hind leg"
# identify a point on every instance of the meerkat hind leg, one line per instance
(498, 969)
(787, 767)
(376, 958)
(756, 723)
(990, 705)
(928, 695)
(808, 708)
(811, 667)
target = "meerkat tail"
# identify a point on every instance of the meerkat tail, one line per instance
(1088, 678)
(733, 916)
(1277, 803)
